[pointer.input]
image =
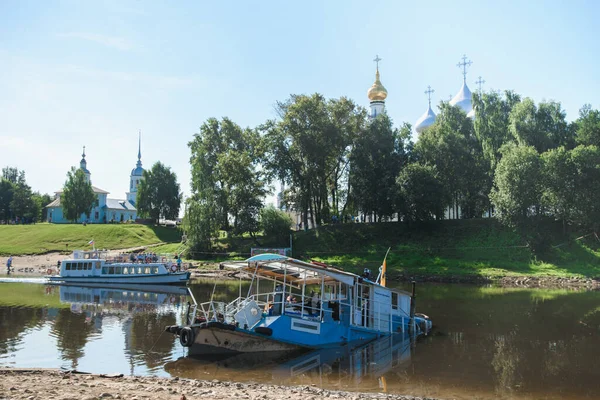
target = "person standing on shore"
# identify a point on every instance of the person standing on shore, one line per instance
(8, 264)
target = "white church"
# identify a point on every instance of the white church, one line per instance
(105, 210)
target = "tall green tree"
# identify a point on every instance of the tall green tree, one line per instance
(308, 150)
(6, 196)
(492, 122)
(518, 190)
(22, 204)
(586, 161)
(375, 162)
(588, 126)
(421, 193)
(159, 194)
(451, 146)
(544, 126)
(77, 197)
(226, 174)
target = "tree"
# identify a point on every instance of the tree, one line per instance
(588, 126)
(517, 191)
(559, 184)
(225, 173)
(586, 162)
(421, 193)
(492, 123)
(22, 204)
(159, 193)
(543, 127)
(77, 197)
(452, 147)
(275, 223)
(375, 162)
(6, 195)
(308, 150)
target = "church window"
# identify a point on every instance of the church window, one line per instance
(96, 215)
(97, 201)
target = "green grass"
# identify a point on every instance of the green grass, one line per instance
(466, 248)
(43, 238)
(27, 295)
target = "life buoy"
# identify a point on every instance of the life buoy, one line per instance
(173, 268)
(186, 337)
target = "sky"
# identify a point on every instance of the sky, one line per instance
(95, 73)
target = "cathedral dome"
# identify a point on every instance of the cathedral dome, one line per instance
(463, 99)
(377, 92)
(425, 121)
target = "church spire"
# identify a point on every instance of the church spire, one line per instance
(139, 161)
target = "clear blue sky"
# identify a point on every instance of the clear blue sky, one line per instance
(93, 73)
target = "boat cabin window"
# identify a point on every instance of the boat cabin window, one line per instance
(68, 266)
(147, 270)
(118, 270)
(394, 300)
(105, 270)
(111, 270)
(139, 270)
(155, 270)
(79, 266)
(125, 271)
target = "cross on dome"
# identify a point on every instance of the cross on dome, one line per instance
(479, 83)
(428, 92)
(377, 59)
(464, 64)
(83, 154)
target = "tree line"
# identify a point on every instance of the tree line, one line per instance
(517, 160)
(18, 203)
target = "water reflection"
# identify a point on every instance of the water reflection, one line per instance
(488, 342)
(362, 368)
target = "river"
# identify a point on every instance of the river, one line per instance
(487, 343)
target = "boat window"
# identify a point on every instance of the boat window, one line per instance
(105, 270)
(155, 270)
(111, 270)
(394, 301)
(147, 270)
(79, 266)
(68, 266)
(118, 270)
(125, 270)
(139, 270)
(98, 265)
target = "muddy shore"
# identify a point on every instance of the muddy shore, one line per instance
(33, 384)
(39, 265)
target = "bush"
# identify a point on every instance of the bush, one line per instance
(275, 223)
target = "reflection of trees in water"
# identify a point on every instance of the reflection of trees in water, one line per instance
(147, 340)
(16, 320)
(506, 362)
(72, 332)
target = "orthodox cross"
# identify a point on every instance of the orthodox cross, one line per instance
(377, 59)
(428, 92)
(83, 155)
(479, 83)
(464, 64)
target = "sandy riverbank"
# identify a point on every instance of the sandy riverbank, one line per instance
(33, 384)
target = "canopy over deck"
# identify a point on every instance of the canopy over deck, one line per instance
(275, 266)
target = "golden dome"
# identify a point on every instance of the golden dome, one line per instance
(377, 92)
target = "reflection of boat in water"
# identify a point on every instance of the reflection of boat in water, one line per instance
(120, 297)
(343, 367)
(341, 309)
(96, 267)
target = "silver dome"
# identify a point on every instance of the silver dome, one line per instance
(463, 99)
(425, 121)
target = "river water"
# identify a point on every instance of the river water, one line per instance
(487, 343)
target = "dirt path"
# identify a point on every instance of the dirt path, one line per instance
(33, 384)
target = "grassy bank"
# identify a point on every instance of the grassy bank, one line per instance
(441, 250)
(476, 248)
(43, 238)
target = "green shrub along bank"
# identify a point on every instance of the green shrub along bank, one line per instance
(44, 238)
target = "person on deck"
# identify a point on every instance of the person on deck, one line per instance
(178, 262)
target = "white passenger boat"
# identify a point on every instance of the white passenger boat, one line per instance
(94, 266)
